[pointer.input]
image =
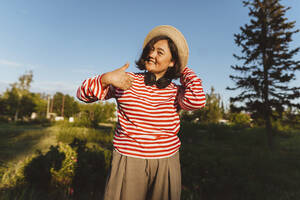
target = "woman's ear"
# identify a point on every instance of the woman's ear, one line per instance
(171, 64)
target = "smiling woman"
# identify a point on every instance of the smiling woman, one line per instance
(146, 145)
(160, 58)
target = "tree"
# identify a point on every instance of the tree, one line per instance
(2, 105)
(267, 64)
(64, 105)
(40, 101)
(28, 105)
(95, 113)
(18, 92)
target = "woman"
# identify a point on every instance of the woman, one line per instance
(145, 162)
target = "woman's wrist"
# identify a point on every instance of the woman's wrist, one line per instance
(105, 80)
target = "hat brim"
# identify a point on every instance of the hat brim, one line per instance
(176, 36)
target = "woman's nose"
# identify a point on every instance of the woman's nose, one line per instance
(152, 54)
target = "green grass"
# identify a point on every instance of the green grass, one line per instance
(217, 162)
(19, 141)
(229, 163)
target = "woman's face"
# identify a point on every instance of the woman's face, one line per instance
(159, 59)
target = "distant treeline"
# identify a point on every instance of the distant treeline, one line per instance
(17, 103)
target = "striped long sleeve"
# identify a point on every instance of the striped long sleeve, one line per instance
(91, 90)
(148, 119)
(191, 95)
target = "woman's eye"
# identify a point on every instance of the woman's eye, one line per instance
(160, 53)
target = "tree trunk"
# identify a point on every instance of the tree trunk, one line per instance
(16, 115)
(269, 131)
(266, 67)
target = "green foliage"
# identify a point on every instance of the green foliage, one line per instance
(9, 101)
(28, 105)
(92, 167)
(14, 174)
(93, 114)
(63, 176)
(4, 119)
(64, 103)
(19, 93)
(40, 103)
(38, 172)
(241, 119)
(83, 120)
(19, 103)
(24, 83)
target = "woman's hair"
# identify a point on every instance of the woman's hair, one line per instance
(172, 72)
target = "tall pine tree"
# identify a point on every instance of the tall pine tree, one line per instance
(266, 64)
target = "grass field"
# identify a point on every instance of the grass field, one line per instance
(218, 162)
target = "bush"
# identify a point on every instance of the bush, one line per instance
(91, 170)
(83, 120)
(14, 174)
(40, 171)
(63, 175)
(4, 119)
(282, 129)
(240, 119)
(72, 170)
(41, 120)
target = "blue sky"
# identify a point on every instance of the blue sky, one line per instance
(67, 41)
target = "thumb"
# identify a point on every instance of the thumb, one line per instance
(124, 67)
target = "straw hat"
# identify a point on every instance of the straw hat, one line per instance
(176, 36)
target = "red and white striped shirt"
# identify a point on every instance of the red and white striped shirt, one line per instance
(148, 120)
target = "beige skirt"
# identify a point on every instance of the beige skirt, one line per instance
(143, 179)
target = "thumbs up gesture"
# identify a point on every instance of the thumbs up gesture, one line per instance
(118, 78)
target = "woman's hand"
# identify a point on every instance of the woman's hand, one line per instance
(117, 78)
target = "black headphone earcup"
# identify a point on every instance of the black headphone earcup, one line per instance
(150, 78)
(161, 83)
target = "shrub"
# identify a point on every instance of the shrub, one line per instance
(282, 129)
(41, 120)
(4, 119)
(91, 170)
(83, 120)
(14, 174)
(38, 172)
(63, 175)
(240, 119)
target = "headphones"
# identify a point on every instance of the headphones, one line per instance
(163, 82)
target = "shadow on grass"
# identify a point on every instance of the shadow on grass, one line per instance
(71, 171)
(18, 140)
